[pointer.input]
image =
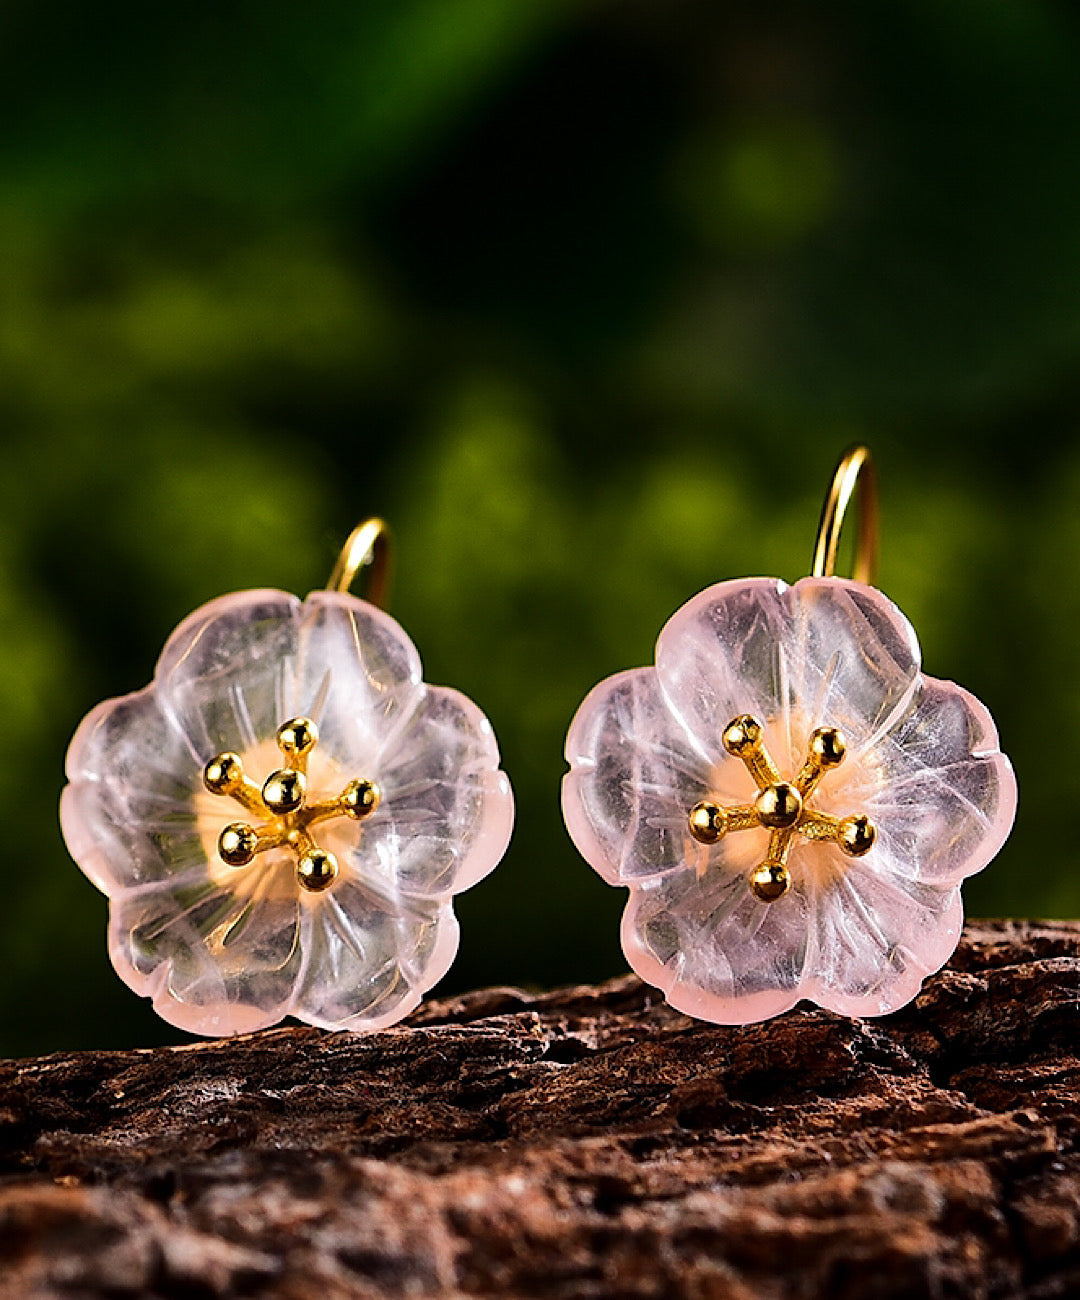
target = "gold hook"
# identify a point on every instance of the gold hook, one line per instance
(856, 469)
(367, 547)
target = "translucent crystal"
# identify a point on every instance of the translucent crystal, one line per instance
(857, 935)
(224, 949)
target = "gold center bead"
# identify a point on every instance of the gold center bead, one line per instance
(281, 807)
(781, 805)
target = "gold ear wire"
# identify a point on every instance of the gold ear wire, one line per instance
(856, 469)
(367, 548)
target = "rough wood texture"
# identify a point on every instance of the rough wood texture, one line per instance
(586, 1142)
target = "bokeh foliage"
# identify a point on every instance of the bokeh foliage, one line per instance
(586, 298)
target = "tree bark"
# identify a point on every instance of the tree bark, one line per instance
(585, 1142)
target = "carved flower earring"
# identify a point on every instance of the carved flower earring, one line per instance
(281, 819)
(790, 801)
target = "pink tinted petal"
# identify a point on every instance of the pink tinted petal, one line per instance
(858, 936)
(215, 962)
(715, 951)
(225, 955)
(941, 794)
(127, 815)
(876, 936)
(357, 674)
(824, 652)
(634, 776)
(851, 660)
(226, 675)
(367, 961)
(719, 656)
(446, 812)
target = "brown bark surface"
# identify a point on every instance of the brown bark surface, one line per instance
(586, 1142)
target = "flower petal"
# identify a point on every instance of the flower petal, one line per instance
(223, 951)
(875, 936)
(634, 775)
(851, 661)
(227, 674)
(446, 812)
(714, 950)
(128, 816)
(366, 961)
(357, 674)
(823, 652)
(719, 656)
(858, 936)
(215, 961)
(941, 794)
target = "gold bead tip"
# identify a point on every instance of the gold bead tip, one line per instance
(237, 844)
(283, 791)
(223, 773)
(360, 798)
(297, 736)
(779, 805)
(856, 835)
(708, 822)
(742, 734)
(770, 881)
(828, 747)
(317, 870)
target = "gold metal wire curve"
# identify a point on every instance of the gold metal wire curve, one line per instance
(367, 548)
(856, 469)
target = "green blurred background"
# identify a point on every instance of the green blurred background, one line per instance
(586, 299)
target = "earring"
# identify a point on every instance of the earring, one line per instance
(790, 801)
(281, 819)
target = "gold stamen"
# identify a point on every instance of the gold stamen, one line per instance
(819, 826)
(238, 843)
(742, 734)
(781, 805)
(742, 817)
(708, 822)
(358, 800)
(224, 774)
(825, 751)
(742, 737)
(283, 791)
(296, 739)
(280, 805)
(857, 835)
(317, 870)
(770, 881)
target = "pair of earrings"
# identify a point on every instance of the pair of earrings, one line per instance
(281, 819)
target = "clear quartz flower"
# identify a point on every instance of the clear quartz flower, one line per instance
(921, 765)
(227, 949)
